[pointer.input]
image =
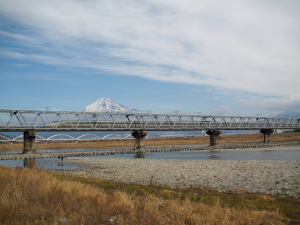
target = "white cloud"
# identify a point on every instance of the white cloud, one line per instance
(222, 110)
(289, 103)
(240, 45)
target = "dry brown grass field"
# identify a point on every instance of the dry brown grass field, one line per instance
(31, 196)
(157, 141)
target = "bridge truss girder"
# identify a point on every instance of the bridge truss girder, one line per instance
(20, 120)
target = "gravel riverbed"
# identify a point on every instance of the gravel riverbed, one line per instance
(275, 177)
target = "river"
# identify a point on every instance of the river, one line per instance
(255, 154)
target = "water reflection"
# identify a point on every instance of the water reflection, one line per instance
(55, 163)
(47, 163)
(60, 159)
(140, 155)
(30, 163)
(214, 155)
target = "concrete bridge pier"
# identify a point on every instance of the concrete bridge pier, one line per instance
(267, 134)
(139, 140)
(29, 142)
(30, 163)
(214, 136)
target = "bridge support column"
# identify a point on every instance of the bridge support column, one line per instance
(267, 134)
(29, 142)
(214, 136)
(30, 163)
(139, 140)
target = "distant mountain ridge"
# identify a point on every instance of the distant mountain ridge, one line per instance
(289, 114)
(107, 105)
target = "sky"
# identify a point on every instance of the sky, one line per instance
(230, 57)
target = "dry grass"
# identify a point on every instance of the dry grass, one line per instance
(37, 197)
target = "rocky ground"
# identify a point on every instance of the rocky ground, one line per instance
(281, 178)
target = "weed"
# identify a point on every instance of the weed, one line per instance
(32, 196)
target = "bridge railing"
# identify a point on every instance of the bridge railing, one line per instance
(19, 120)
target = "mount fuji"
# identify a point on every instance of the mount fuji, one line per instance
(107, 105)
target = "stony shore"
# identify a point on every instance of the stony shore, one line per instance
(281, 178)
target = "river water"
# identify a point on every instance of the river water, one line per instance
(218, 155)
(54, 163)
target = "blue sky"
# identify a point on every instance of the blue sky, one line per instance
(212, 56)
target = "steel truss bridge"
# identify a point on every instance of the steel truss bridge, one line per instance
(21, 120)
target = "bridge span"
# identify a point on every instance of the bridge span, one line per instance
(31, 121)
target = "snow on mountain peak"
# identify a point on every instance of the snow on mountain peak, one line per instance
(107, 105)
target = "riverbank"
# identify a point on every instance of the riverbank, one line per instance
(30, 196)
(248, 138)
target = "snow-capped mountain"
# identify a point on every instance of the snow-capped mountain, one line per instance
(107, 105)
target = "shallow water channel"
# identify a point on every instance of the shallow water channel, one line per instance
(54, 163)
